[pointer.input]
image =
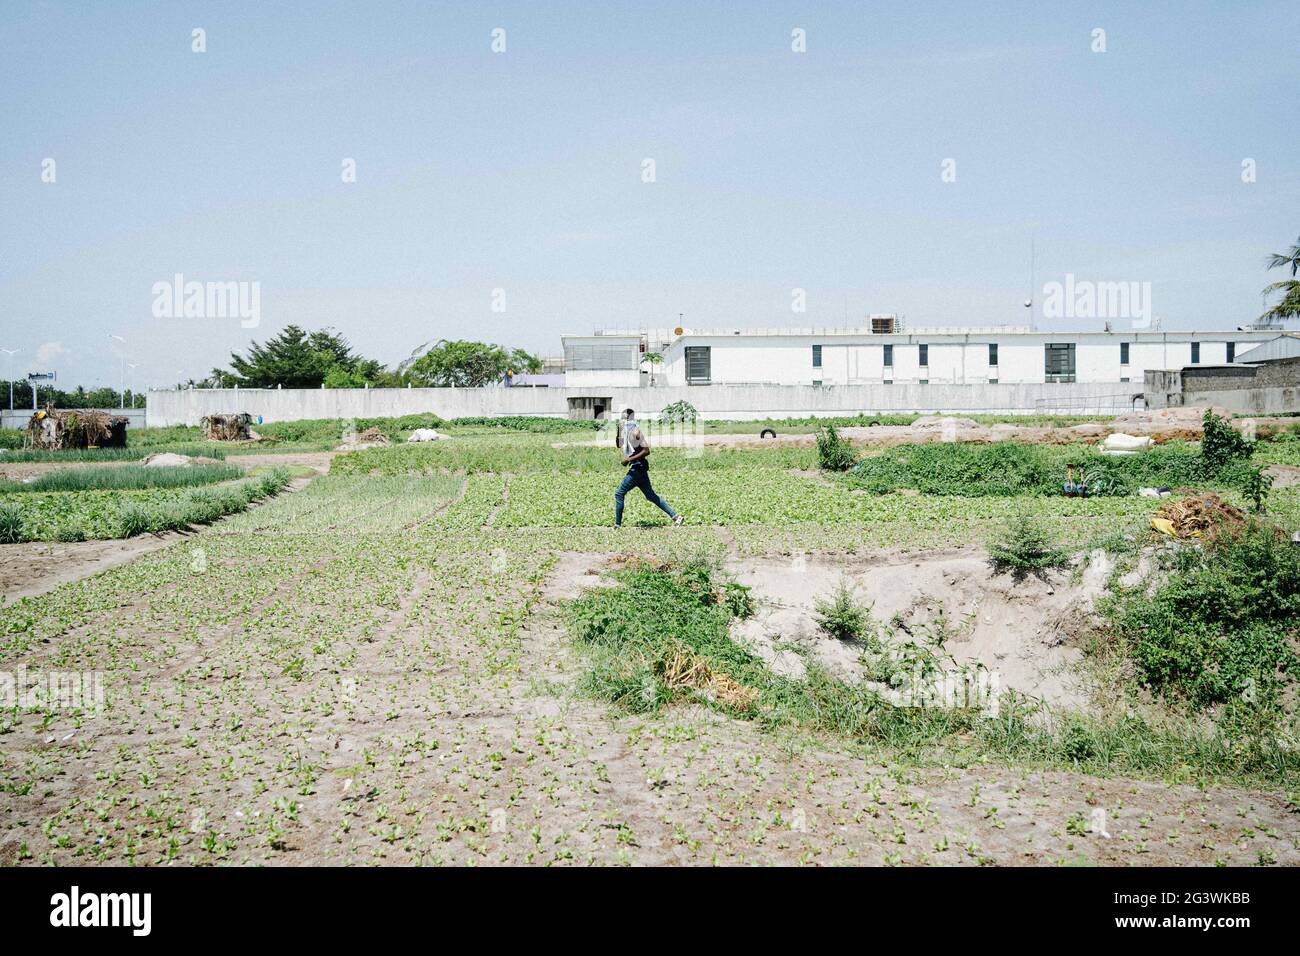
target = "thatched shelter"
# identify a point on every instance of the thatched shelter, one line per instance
(227, 427)
(61, 428)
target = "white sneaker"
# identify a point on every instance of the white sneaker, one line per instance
(678, 520)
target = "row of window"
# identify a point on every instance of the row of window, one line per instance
(923, 354)
(1058, 360)
(922, 351)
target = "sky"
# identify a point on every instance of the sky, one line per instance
(905, 160)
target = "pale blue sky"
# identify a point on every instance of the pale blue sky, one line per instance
(522, 170)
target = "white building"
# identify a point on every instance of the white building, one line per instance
(874, 355)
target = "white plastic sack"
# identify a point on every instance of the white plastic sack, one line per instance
(1121, 442)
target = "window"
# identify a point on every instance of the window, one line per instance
(924, 352)
(817, 356)
(1196, 352)
(1058, 362)
(889, 356)
(1232, 351)
(993, 356)
(585, 358)
(924, 381)
(1123, 353)
(698, 365)
(1124, 378)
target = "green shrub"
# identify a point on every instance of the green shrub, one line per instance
(842, 617)
(1255, 486)
(1221, 445)
(1220, 628)
(678, 413)
(1008, 469)
(833, 452)
(1024, 548)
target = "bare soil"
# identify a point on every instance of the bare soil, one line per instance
(36, 567)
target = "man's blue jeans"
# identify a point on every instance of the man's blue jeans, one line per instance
(638, 476)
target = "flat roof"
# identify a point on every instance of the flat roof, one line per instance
(951, 331)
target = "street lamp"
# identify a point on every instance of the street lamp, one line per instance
(121, 393)
(132, 366)
(9, 369)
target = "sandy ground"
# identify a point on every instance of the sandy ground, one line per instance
(1284, 476)
(35, 567)
(318, 461)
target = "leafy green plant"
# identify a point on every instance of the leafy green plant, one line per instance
(1221, 444)
(842, 616)
(1025, 548)
(1255, 486)
(678, 413)
(833, 452)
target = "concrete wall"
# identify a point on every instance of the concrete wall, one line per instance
(713, 401)
(19, 417)
(1269, 388)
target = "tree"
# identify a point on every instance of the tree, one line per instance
(464, 364)
(297, 359)
(654, 360)
(1288, 307)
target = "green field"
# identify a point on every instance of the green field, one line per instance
(425, 657)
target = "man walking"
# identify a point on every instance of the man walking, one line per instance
(636, 452)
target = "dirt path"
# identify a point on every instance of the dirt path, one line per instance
(36, 567)
(1284, 476)
(318, 461)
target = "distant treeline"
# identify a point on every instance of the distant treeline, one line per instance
(77, 398)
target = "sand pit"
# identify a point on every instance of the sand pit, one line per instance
(1027, 633)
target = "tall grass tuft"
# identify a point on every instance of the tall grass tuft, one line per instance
(125, 477)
